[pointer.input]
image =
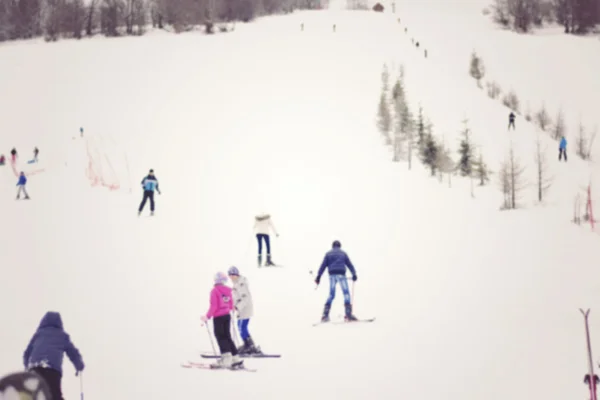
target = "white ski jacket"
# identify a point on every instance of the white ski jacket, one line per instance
(242, 299)
(264, 225)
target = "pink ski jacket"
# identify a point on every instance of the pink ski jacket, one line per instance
(221, 302)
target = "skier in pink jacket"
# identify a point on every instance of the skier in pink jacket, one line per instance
(221, 306)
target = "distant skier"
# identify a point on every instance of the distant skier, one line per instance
(44, 354)
(242, 301)
(2, 160)
(149, 184)
(81, 132)
(263, 226)
(334, 27)
(511, 120)
(336, 260)
(21, 185)
(302, 27)
(221, 305)
(24, 385)
(13, 155)
(36, 151)
(562, 149)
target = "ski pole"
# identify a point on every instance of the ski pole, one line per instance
(81, 384)
(352, 297)
(234, 331)
(211, 340)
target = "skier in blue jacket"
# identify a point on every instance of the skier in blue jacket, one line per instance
(44, 354)
(336, 260)
(149, 184)
(562, 149)
(21, 185)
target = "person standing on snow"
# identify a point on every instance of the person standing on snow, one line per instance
(562, 149)
(336, 260)
(13, 155)
(44, 353)
(221, 305)
(242, 301)
(263, 226)
(36, 151)
(2, 159)
(511, 120)
(149, 184)
(21, 185)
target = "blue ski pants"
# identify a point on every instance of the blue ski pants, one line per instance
(243, 328)
(343, 282)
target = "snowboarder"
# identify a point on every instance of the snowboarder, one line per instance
(13, 155)
(221, 305)
(336, 260)
(263, 226)
(44, 354)
(21, 185)
(36, 151)
(562, 149)
(242, 301)
(2, 160)
(149, 184)
(24, 385)
(511, 120)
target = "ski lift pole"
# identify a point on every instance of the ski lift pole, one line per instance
(591, 376)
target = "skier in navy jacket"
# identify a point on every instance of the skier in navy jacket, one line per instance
(44, 354)
(149, 184)
(336, 260)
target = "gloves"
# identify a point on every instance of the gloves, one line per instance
(203, 318)
(318, 280)
(354, 278)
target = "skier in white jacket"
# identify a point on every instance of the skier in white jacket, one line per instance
(242, 301)
(263, 226)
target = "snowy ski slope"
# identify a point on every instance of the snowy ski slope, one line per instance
(470, 302)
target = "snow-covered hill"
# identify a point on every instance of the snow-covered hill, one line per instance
(470, 302)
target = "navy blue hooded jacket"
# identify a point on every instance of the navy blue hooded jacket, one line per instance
(48, 344)
(336, 260)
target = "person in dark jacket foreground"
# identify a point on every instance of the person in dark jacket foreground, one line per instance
(336, 260)
(44, 353)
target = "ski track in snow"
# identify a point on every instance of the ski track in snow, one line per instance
(470, 302)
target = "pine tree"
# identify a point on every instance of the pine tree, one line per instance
(477, 70)
(384, 118)
(481, 171)
(466, 153)
(385, 79)
(430, 152)
(421, 137)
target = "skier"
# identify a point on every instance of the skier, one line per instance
(81, 132)
(44, 354)
(21, 185)
(24, 385)
(263, 226)
(149, 184)
(221, 305)
(13, 154)
(511, 120)
(36, 151)
(336, 260)
(2, 160)
(242, 300)
(562, 149)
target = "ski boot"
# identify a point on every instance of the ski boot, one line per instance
(325, 317)
(250, 348)
(269, 263)
(151, 213)
(259, 260)
(236, 362)
(226, 361)
(349, 316)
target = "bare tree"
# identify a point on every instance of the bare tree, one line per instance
(543, 118)
(543, 181)
(481, 170)
(511, 180)
(445, 163)
(493, 90)
(385, 79)
(477, 69)
(90, 15)
(431, 150)
(584, 142)
(511, 100)
(559, 128)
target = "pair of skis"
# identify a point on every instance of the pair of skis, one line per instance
(344, 321)
(199, 365)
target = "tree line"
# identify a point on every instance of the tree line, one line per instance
(576, 16)
(54, 19)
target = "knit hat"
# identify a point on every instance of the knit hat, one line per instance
(220, 278)
(233, 271)
(336, 244)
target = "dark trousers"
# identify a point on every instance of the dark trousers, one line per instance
(148, 194)
(222, 328)
(511, 123)
(53, 379)
(562, 153)
(260, 237)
